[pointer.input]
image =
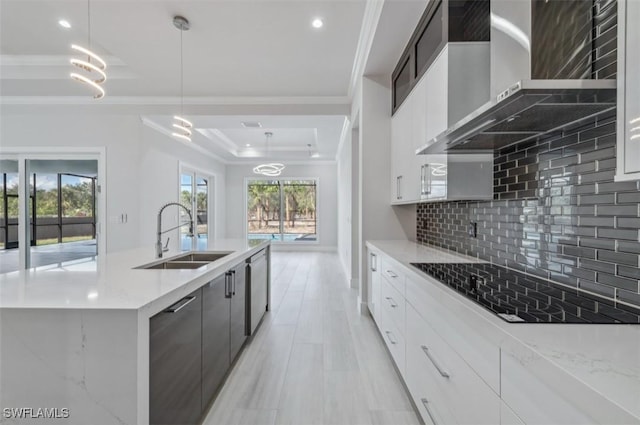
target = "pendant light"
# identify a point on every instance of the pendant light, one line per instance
(182, 125)
(272, 169)
(93, 68)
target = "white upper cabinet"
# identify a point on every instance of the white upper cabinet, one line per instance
(444, 94)
(628, 164)
(404, 178)
(436, 82)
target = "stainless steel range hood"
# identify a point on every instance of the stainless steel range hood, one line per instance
(534, 108)
(527, 107)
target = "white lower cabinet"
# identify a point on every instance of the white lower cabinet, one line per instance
(393, 336)
(393, 303)
(459, 395)
(461, 369)
(375, 277)
(470, 337)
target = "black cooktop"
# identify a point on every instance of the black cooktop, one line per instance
(519, 298)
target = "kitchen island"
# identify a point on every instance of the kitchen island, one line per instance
(75, 339)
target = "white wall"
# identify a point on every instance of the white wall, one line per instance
(348, 213)
(141, 165)
(378, 219)
(327, 199)
(160, 159)
(344, 169)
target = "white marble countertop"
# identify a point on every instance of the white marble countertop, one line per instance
(410, 252)
(112, 282)
(605, 358)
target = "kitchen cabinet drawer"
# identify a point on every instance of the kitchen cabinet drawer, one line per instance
(422, 382)
(474, 338)
(215, 336)
(394, 340)
(175, 358)
(375, 280)
(258, 291)
(393, 273)
(470, 400)
(394, 305)
(238, 313)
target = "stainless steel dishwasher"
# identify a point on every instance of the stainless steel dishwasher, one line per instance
(258, 290)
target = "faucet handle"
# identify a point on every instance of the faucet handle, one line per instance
(165, 248)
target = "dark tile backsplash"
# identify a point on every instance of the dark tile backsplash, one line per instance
(556, 213)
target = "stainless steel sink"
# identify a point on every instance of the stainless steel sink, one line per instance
(173, 265)
(202, 256)
(192, 260)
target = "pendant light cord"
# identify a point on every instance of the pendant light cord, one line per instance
(181, 76)
(89, 27)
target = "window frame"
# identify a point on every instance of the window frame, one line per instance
(247, 180)
(195, 173)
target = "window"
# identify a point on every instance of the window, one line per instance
(282, 211)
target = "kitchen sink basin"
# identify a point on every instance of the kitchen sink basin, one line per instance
(192, 260)
(202, 256)
(174, 265)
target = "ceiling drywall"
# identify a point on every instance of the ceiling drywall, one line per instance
(240, 57)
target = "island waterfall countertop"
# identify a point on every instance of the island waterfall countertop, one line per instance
(603, 357)
(81, 333)
(113, 282)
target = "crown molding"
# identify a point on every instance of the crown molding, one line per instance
(175, 100)
(285, 161)
(50, 60)
(372, 13)
(346, 126)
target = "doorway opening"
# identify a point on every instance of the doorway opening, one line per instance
(196, 192)
(54, 204)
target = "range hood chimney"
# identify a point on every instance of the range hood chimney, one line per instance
(543, 76)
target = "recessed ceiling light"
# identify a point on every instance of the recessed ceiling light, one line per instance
(64, 23)
(317, 23)
(248, 145)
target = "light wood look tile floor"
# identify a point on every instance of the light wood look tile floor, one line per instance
(315, 359)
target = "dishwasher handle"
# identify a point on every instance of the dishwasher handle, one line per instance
(180, 304)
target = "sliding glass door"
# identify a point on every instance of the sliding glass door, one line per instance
(282, 211)
(9, 204)
(48, 211)
(194, 194)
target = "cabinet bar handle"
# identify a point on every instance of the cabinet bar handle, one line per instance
(441, 371)
(425, 403)
(391, 274)
(392, 302)
(389, 337)
(227, 285)
(179, 305)
(233, 273)
(374, 262)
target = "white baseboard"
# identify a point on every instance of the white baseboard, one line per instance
(363, 308)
